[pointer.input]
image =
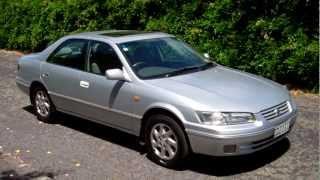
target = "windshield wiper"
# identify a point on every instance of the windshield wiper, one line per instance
(184, 70)
(207, 65)
(190, 68)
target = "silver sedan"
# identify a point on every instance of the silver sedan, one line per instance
(154, 86)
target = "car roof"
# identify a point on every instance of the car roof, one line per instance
(121, 36)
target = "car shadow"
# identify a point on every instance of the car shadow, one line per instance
(226, 166)
(216, 166)
(95, 129)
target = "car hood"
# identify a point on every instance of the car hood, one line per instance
(225, 89)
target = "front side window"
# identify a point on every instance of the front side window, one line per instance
(71, 53)
(162, 57)
(102, 57)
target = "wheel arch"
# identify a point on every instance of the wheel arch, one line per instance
(168, 110)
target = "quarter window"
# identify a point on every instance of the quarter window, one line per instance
(102, 57)
(71, 53)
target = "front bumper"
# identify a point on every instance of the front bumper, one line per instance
(213, 145)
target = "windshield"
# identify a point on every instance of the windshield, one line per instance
(162, 57)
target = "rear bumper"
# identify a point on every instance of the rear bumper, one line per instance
(210, 144)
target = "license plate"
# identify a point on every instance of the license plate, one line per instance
(281, 129)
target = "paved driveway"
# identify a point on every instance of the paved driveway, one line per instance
(74, 148)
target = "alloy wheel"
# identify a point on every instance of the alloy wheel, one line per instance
(42, 103)
(164, 141)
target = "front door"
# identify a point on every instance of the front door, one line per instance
(105, 98)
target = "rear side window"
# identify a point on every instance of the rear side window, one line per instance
(102, 57)
(71, 53)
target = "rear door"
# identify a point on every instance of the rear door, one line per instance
(60, 73)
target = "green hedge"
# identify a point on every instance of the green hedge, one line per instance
(277, 39)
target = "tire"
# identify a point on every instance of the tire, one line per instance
(42, 105)
(173, 142)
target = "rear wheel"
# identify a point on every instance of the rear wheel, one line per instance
(165, 140)
(43, 107)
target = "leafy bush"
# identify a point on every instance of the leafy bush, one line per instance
(276, 39)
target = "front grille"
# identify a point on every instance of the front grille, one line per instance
(275, 111)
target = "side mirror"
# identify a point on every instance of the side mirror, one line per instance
(116, 74)
(206, 55)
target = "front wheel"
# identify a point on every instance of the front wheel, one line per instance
(165, 140)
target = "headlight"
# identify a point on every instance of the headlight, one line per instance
(225, 118)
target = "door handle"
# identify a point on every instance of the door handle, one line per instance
(44, 75)
(84, 84)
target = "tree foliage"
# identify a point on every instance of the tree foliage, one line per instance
(277, 39)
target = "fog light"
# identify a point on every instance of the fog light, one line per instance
(229, 148)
